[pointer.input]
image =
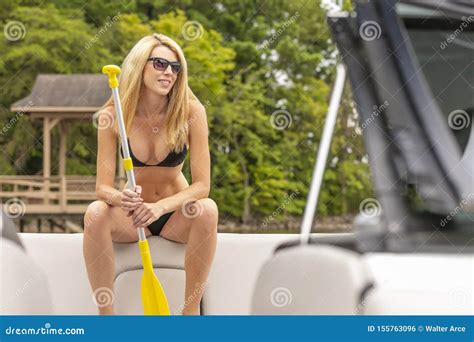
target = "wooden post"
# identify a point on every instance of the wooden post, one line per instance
(46, 158)
(62, 163)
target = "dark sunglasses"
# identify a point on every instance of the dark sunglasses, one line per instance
(161, 64)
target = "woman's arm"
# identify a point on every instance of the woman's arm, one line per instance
(106, 159)
(200, 161)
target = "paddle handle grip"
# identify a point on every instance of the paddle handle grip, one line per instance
(112, 71)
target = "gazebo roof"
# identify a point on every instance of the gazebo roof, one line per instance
(57, 93)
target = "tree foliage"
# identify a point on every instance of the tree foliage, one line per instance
(263, 70)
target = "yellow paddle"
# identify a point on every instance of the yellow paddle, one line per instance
(153, 296)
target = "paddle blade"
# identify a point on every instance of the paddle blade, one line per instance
(153, 296)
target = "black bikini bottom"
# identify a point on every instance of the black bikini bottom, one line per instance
(157, 226)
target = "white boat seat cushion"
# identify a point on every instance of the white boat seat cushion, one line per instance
(23, 285)
(311, 280)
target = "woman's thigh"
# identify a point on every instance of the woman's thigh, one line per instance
(178, 227)
(121, 225)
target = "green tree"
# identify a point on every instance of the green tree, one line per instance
(263, 70)
(52, 42)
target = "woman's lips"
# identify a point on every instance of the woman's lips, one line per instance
(166, 83)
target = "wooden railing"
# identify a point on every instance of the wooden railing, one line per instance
(50, 195)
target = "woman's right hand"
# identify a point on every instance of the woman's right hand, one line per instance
(131, 200)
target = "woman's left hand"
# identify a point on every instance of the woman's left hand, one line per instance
(146, 213)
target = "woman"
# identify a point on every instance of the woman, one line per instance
(163, 119)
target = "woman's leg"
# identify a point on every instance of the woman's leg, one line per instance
(195, 225)
(102, 225)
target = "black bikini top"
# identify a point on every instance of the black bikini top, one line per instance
(172, 159)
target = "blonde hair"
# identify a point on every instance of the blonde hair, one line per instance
(131, 84)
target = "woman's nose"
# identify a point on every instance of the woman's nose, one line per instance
(168, 70)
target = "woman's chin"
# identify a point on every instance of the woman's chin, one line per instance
(161, 92)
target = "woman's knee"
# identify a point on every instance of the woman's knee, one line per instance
(209, 213)
(95, 215)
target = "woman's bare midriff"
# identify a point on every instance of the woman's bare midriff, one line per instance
(159, 182)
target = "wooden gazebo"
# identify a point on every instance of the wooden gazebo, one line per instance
(59, 101)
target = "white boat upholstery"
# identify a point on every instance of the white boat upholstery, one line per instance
(311, 280)
(52, 279)
(420, 284)
(229, 289)
(417, 302)
(23, 284)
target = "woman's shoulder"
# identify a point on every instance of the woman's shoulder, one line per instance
(197, 122)
(196, 108)
(105, 117)
(108, 111)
